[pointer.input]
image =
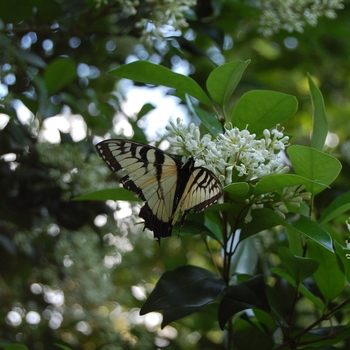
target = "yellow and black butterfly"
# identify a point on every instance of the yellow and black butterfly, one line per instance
(168, 186)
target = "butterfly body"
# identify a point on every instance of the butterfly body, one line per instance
(168, 186)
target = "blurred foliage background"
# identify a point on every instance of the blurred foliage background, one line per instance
(77, 273)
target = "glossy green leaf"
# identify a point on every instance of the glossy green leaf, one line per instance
(223, 81)
(186, 286)
(314, 165)
(246, 295)
(237, 189)
(313, 230)
(147, 72)
(344, 255)
(298, 267)
(213, 221)
(209, 121)
(339, 206)
(247, 336)
(319, 116)
(329, 276)
(303, 290)
(115, 194)
(263, 110)
(279, 181)
(146, 108)
(175, 313)
(58, 74)
(262, 219)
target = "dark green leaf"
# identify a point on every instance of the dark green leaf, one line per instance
(284, 274)
(146, 108)
(298, 267)
(344, 255)
(329, 276)
(314, 165)
(13, 11)
(62, 346)
(339, 206)
(223, 80)
(209, 121)
(279, 181)
(186, 286)
(319, 116)
(14, 347)
(213, 221)
(313, 230)
(173, 314)
(263, 219)
(147, 72)
(325, 337)
(246, 295)
(59, 74)
(114, 194)
(247, 336)
(263, 110)
(237, 189)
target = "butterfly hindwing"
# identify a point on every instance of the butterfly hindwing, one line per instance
(168, 186)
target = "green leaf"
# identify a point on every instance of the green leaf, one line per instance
(339, 206)
(319, 116)
(13, 347)
(175, 313)
(13, 11)
(279, 181)
(313, 230)
(314, 165)
(343, 254)
(147, 72)
(284, 274)
(62, 346)
(58, 74)
(223, 80)
(209, 121)
(298, 267)
(115, 194)
(246, 295)
(186, 286)
(262, 219)
(329, 276)
(325, 337)
(213, 221)
(237, 189)
(146, 108)
(262, 110)
(248, 336)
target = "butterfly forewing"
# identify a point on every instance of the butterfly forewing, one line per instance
(168, 186)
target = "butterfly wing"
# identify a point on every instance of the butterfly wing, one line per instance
(202, 190)
(152, 174)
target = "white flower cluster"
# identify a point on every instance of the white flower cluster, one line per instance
(293, 15)
(233, 153)
(165, 13)
(157, 14)
(236, 155)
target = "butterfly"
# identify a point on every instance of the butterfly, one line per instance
(167, 185)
